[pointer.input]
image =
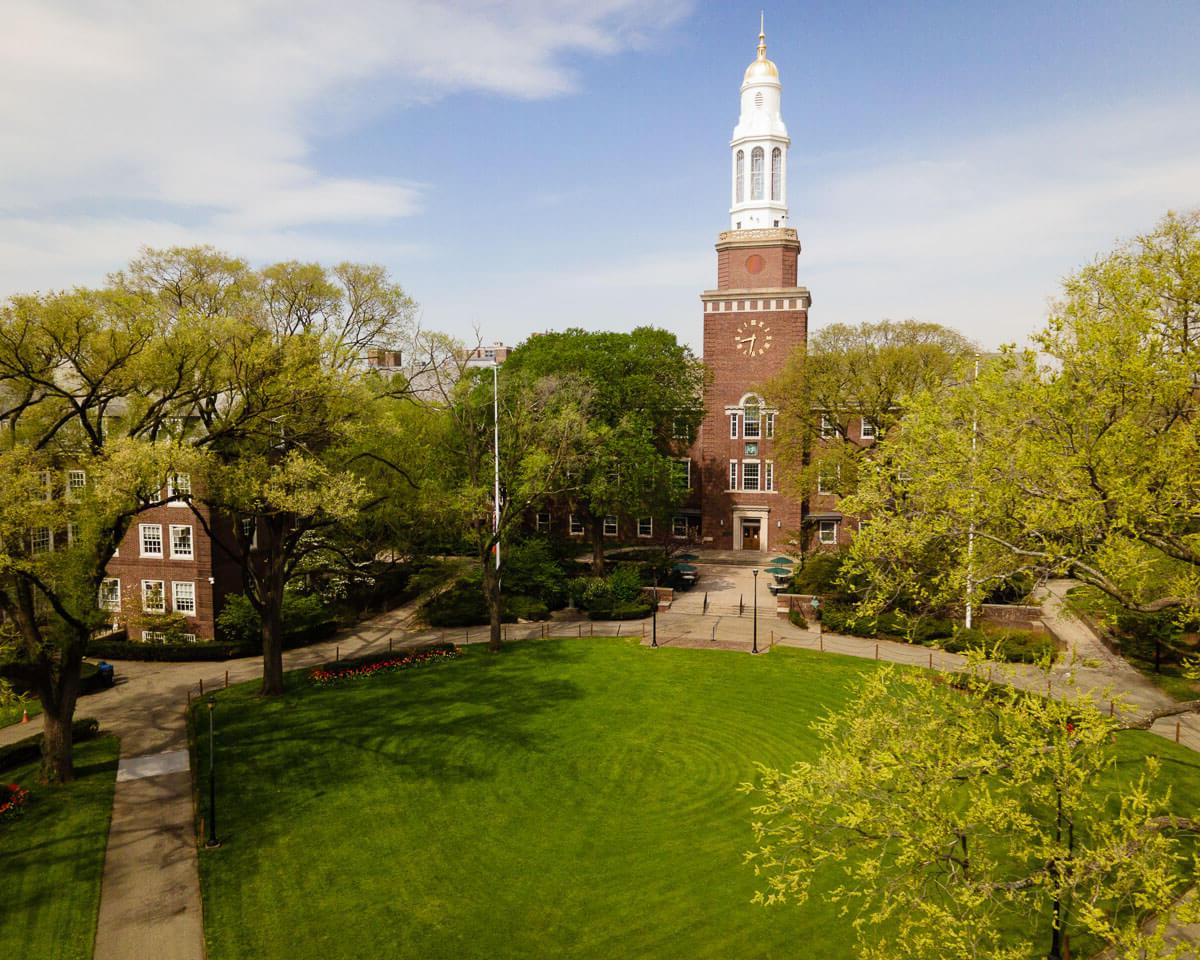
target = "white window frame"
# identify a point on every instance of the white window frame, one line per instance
(757, 162)
(179, 485)
(113, 602)
(776, 173)
(769, 476)
(754, 466)
(154, 636)
(867, 430)
(755, 422)
(733, 426)
(645, 527)
(72, 533)
(41, 540)
(574, 526)
(188, 637)
(543, 525)
(687, 471)
(678, 522)
(611, 526)
(143, 529)
(162, 593)
(175, 598)
(190, 554)
(827, 531)
(769, 427)
(76, 481)
(826, 481)
(739, 177)
(733, 474)
(828, 429)
(47, 485)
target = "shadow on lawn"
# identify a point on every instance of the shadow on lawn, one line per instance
(439, 722)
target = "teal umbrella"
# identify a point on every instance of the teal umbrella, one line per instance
(782, 560)
(688, 557)
(780, 571)
(685, 568)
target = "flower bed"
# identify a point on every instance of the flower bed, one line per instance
(324, 677)
(12, 801)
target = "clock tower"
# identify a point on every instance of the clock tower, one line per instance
(753, 319)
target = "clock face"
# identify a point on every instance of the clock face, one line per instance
(753, 338)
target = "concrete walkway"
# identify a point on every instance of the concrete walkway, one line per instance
(150, 897)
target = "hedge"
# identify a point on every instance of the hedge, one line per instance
(29, 750)
(111, 648)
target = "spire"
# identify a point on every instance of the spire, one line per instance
(762, 36)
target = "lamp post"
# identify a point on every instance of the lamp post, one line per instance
(816, 609)
(654, 616)
(496, 439)
(754, 648)
(212, 780)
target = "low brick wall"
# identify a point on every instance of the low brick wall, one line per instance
(1013, 615)
(666, 596)
(786, 602)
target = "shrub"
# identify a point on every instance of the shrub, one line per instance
(1014, 589)
(628, 611)
(530, 570)
(238, 622)
(1141, 633)
(818, 575)
(625, 582)
(596, 593)
(29, 750)
(107, 648)
(1009, 645)
(305, 620)
(461, 605)
(525, 608)
(796, 619)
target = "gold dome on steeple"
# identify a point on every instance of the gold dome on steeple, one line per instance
(762, 68)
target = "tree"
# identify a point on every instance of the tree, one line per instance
(279, 408)
(846, 372)
(1083, 460)
(645, 404)
(87, 381)
(970, 820)
(541, 432)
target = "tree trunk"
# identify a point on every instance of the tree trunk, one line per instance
(491, 591)
(598, 546)
(272, 634)
(58, 691)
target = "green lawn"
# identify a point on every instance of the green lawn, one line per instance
(566, 799)
(11, 713)
(53, 856)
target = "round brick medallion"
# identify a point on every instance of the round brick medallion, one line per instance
(755, 263)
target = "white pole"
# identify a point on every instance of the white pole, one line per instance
(971, 529)
(496, 425)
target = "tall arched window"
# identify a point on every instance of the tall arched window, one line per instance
(756, 173)
(739, 177)
(776, 173)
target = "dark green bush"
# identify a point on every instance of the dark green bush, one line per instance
(1009, 645)
(625, 582)
(305, 620)
(796, 619)
(818, 575)
(109, 649)
(530, 570)
(29, 750)
(238, 622)
(525, 608)
(1142, 632)
(461, 605)
(1014, 589)
(630, 611)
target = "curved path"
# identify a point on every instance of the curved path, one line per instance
(150, 896)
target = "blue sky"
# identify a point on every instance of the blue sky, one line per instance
(531, 165)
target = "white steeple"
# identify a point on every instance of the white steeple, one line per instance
(759, 147)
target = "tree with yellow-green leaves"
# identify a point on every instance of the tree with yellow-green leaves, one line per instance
(968, 820)
(1079, 458)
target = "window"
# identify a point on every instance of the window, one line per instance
(680, 430)
(776, 174)
(733, 426)
(828, 430)
(827, 531)
(683, 470)
(72, 534)
(47, 485)
(154, 599)
(645, 527)
(110, 594)
(41, 540)
(179, 485)
(739, 178)
(756, 173)
(189, 637)
(749, 474)
(610, 526)
(250, 531)
(543, 521)
(152, 544)
(181, 541)
(868, 429)
(769, 425)
(76, 481)
(575, 526)
(827, 478)
(769, 476)
(751, 424)
(732, 474)
(679, 527)
(154, 636)
(184, 593)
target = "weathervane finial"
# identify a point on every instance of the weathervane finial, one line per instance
(762, 36)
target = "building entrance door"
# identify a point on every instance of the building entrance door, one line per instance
(750, 531)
